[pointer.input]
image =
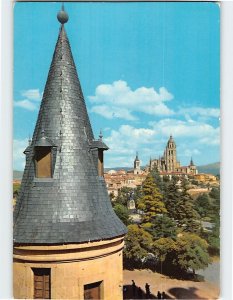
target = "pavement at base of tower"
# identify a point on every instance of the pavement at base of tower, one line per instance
(174, 288)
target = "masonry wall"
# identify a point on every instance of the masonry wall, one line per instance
(71, 271)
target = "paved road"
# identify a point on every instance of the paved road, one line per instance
(212, 273)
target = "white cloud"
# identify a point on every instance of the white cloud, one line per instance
(25, 104)
(110, 112)
(205, 133)
(18, 156)
(207, 112)
(129, 137)
(32, 94)
(193, 138)
(31, 101)
(124, 143)
(118, 100)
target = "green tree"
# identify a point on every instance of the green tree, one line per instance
(215, 193)
(166, 179)
(171, 198)
(187, 217)
(202, 205)
(138, 243)
(122, 213)
(164, 248)
(163, 227)
(151, 201)
(123, 195)
(213, 238)
(137, 194)
(157, 179)
(191, 252)
(215, 202)
(180, 206)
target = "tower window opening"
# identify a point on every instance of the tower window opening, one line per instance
(43, 162)
(93, 290)
(42, 283)
(100, 162)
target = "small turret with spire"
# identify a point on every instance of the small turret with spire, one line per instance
(191, 162)
(137, 167)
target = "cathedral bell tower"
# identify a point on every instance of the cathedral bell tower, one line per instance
(170, 155)
(67, 239)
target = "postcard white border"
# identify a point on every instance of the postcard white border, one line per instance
(6, 119)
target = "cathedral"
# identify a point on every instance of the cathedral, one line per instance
(168, 163)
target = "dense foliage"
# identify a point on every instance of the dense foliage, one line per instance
(171, 229)
(151, 201)
(163, 227)
(122, 213)
(138, 243)
(192, 252)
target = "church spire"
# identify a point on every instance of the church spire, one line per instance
(62, 198)
(191, 162)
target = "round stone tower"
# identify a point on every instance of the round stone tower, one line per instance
(67, 240)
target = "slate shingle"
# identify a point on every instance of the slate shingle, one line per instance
(73, 206)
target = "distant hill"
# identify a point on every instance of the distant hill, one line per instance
(210, 169)
(213, 168)
(119, 168)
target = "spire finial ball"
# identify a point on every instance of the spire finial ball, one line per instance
(62, 16)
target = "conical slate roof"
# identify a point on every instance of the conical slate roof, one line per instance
(73, 206)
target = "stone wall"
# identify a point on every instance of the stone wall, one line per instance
(72, 267)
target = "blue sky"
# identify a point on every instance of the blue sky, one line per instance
(147, 70)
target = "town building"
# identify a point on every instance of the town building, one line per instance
(67, 239)
(168, 164)
(115, 180)
(207, 178)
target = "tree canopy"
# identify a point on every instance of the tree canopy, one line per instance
(122, 213)
(192, 252)
(202, 205)
(171, 199)
(138, 243)
(163, 247)
(151, 201)
(163, 227)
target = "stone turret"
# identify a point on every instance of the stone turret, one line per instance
(67, 238)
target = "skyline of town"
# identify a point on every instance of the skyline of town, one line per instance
(160, 82)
